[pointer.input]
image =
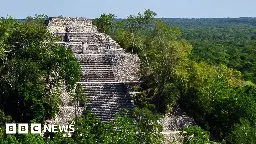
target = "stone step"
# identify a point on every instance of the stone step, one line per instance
(109, 95)
(95, 66)
(95, 74)
(107, 111)
(105, 98)
(103, 86)
(84, 39)
(101, 104)
(105, 115)
(104, 111)
(96, 81)
(90, 48)
(101, 101)
(93, 52)
(109, 103)
(95, 62)
(105, 90)
(91, 35)
(97, 77)
(124, 105)
(94, 56)
(96, 70)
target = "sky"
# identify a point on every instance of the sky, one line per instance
(123, 8)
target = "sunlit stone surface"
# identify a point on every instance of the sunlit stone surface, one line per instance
(107, 71)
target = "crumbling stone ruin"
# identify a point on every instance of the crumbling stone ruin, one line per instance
(174, 123)
(107, 71)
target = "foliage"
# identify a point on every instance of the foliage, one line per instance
(3, 120)
(122, 129)
(104, 23)
(216, 99)
(233, 48)
(196, 135)
(32, 71)
(243, 133)
(163, 58)
(129, 33)
(37, 19)
(147, 127)
(136, 23)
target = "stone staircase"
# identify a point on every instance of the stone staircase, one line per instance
(107, 99)
(107, 71)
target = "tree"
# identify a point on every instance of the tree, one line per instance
(143, 129)
(105, 23)
(196, 135)
(243, 133)
(129, 33)
(3, 120)
(33, 71)
(164, 58)
(137, 23)
(147, 127)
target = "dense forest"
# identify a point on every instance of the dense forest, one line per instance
(228, 41)
(207, 66)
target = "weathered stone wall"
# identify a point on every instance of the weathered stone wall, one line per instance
(174, 123)
(68, 24)
(177, 120)
(127, 68)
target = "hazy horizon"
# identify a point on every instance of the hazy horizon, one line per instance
(122, 9)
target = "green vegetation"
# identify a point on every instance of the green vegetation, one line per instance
(207, 66)
(222, 41)
(208, 69)
(196, 135)
(33, 70)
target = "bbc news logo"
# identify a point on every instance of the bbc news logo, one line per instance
(36, 128)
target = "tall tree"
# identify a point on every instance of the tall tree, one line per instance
(164, 57)
(33, 71)
(105, 23)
